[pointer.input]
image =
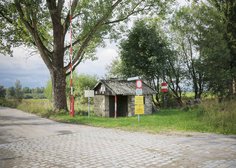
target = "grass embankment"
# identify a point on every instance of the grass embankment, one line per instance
(207, 117)
(41, 107)
(195, 119)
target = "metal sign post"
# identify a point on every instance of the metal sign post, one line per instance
(88, 106)
(88, 94)
(139, 106)
(164, 90)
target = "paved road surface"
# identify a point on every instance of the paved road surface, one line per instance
(27, 141)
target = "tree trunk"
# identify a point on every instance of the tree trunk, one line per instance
(157, 102)
(179, 101)
(59, 89)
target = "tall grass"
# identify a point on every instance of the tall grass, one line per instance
(9, 102)
(221, 116)
(206, 117)
(41, 107)
(210, 116)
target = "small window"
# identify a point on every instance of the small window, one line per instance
(103, 88)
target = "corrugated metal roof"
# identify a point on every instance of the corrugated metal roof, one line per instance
(123, 87)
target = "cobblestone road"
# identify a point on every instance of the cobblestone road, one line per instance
(27, 141)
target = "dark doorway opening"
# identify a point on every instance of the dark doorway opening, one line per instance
(122, 106)
(111, 106)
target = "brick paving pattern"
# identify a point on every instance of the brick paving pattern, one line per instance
(58, 145)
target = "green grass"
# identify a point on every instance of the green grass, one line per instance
(221, 116)
(41, 107)
(163, 121)
(207, 117)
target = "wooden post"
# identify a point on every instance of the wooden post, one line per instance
(115, 106)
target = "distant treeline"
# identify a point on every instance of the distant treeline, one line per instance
(19, 92)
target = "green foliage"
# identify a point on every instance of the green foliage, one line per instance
(80, 83)
(39, 107)
(2, 92)
(221, 116)
(207, 117)
(186, 34)
(214, 50)
(92, 21)
(33, 93)
(115, 69)
(48, 90)
(144, 52)
(199, 31)
(43, 107)
(83, 82)
(147, 53)
(196, 119)
(227, 10)
(18, 90)
(36, 24)
(15, 92)
(10, 93)
(9, 102)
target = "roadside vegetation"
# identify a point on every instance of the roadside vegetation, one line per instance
(191, 48)
(209, 116)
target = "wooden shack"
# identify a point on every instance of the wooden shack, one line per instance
(115, 98)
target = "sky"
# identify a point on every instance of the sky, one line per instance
(32, 72)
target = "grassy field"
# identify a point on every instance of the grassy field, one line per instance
(207, 117)
(163, 121)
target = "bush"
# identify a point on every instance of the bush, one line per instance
(41, 107)
(221, 116)
(13, 103)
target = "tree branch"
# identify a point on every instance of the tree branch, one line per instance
(66, 23)
(5, 17)
(44, 52)
(126, 17)
(74, 43)
(60, 4)
(54, 13)
(75, 65)
(89, 36)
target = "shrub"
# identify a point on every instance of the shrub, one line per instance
(221, 116)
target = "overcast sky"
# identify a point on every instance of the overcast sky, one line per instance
(32, 72)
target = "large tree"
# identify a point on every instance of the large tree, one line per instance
(185, 25)
(228, 9)
(147, 53)
(215, 51)
(45, 25)
(205, 50)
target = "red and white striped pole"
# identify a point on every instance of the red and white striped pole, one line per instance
(72, 110)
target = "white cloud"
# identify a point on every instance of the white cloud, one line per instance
(98, 67)
(32, 71)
